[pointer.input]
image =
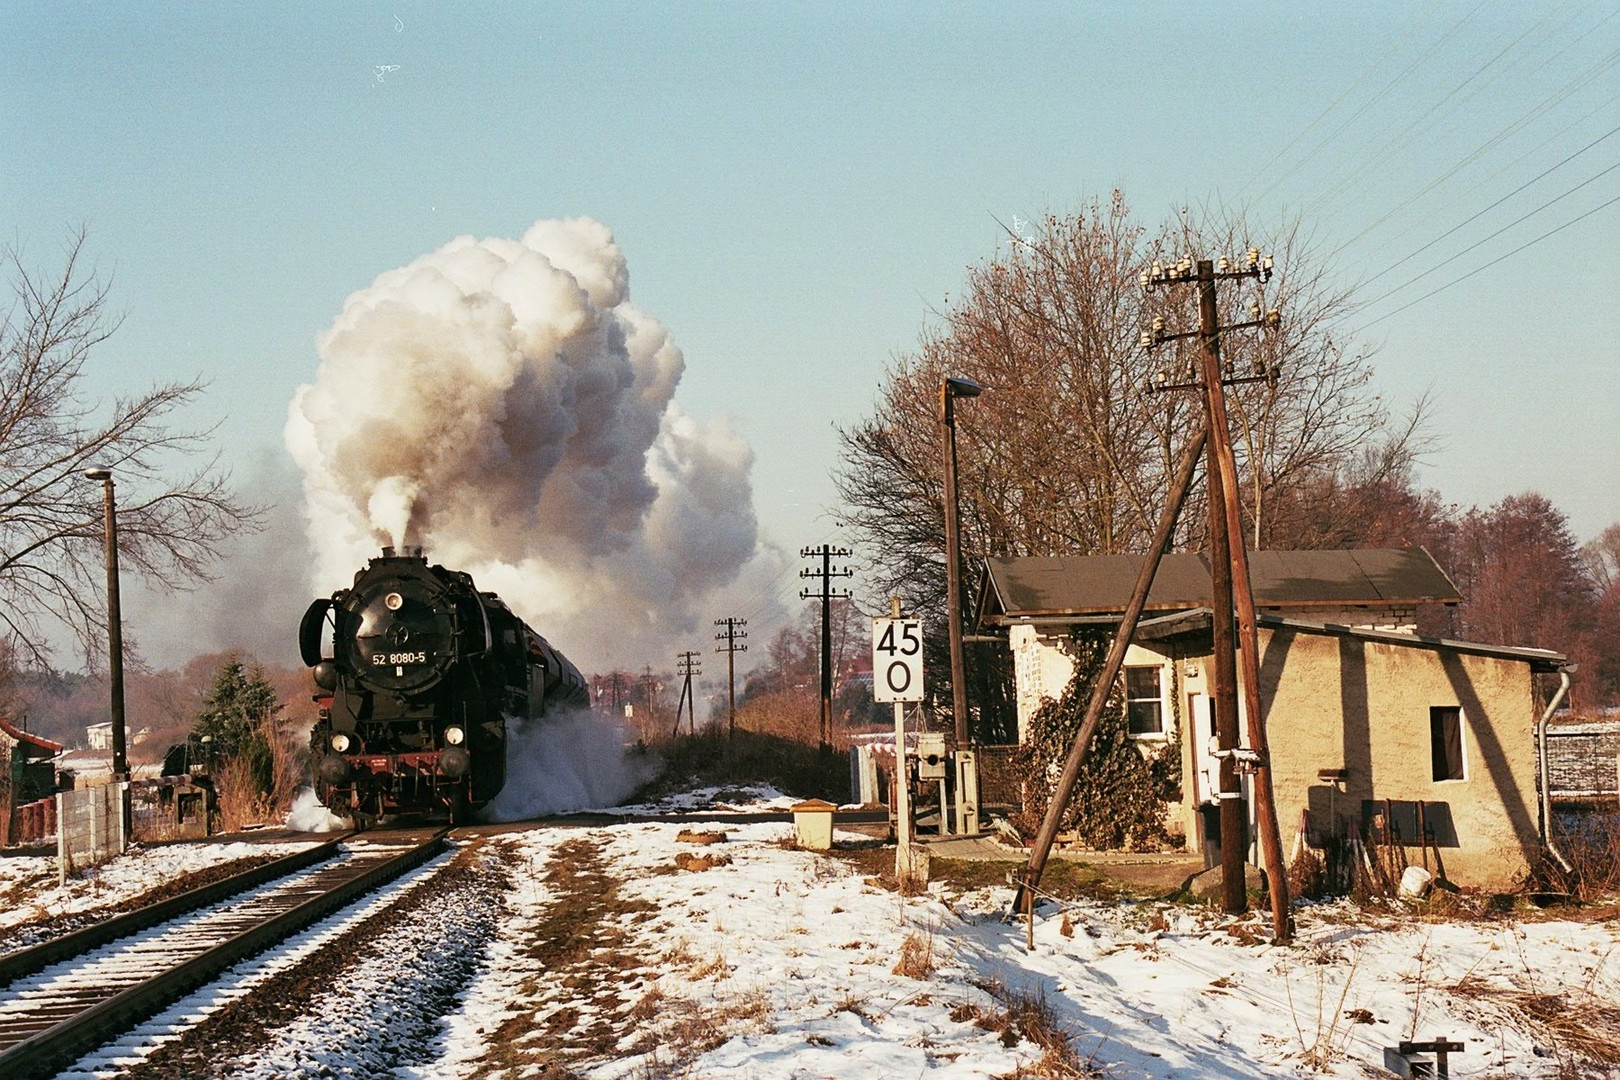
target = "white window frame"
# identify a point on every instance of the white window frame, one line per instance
(1165, 713)
(1462, 739)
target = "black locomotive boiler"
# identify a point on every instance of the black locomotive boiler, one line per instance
(419, 676)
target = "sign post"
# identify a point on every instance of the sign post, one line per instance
(897, 676)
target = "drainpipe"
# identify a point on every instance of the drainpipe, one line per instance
(1546, 785)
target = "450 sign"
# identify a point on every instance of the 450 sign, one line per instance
(897, 666)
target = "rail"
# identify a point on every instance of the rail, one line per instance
(24, 962)
(57, 1042)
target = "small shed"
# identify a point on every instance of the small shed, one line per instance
(29, 774)
(1373, 728)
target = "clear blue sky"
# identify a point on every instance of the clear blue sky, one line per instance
(797, 186)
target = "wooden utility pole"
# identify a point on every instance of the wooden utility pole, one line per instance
(1226, 525)
(1234, 851)
(649, 687)
(686, 664)
(1243, 596)
(827, 594)
(731, 635)
(1042, 847)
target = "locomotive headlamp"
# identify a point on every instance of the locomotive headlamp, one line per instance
(393, 600)
(454, 736)
(341, 742)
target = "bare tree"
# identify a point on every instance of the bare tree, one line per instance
(172, 514)
(1067, 451)
(1520, 569)
(1602, 558)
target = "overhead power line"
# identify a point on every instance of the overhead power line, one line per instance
(1370, 102)
(1478, 214)
(1487, 266)
(1375, 157)
(1471, 247)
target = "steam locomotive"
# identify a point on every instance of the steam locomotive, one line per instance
(419, 676)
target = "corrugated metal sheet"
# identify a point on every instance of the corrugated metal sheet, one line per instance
(1030, 586)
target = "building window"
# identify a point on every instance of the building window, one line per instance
(1446, 742)
(1144, 709)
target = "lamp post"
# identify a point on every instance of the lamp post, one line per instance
(115, 629)
(950, 388)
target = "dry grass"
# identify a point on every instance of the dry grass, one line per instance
(686, 860)
(241, 802)
(683, 1031)
(1581, 1027)
(586, 961)
(1063, 879)
(1030, 1018)
(1327, 1041)
(715, 968)
(699, 836)
(1592, 844)
(916, 956)
(790, 760)
(238, 799)
(1308, 876)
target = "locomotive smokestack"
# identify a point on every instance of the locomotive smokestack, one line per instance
(388, 553)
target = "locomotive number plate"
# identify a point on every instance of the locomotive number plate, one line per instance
(396, 658)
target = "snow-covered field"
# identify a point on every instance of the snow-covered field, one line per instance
(606, 960)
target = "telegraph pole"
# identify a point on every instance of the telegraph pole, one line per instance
(731, 635)
(952, 387)
(686, 665)
(1232, 593)
(648, 687)
(828, 594)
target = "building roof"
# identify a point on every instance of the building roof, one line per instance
(1035, 587)
(38, 741)
(1200, 619)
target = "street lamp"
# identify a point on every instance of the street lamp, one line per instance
(115, 629)
(950, 388)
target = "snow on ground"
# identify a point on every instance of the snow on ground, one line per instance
(748, 799)
(790, 956)
(1157, 991)
(135, 1045)
(781, 963)
(29, 889)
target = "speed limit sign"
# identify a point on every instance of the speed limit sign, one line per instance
(897, 667)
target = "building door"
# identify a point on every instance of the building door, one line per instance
(1206, 772)
(1207, 775)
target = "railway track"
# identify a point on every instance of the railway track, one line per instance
(68, 996)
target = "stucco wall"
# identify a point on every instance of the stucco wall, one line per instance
(1042, 668)
(1337, 702)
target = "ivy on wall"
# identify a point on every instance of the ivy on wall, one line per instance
(1120, 794)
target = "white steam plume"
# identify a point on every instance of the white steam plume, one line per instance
(576, 761)
(502, 404)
